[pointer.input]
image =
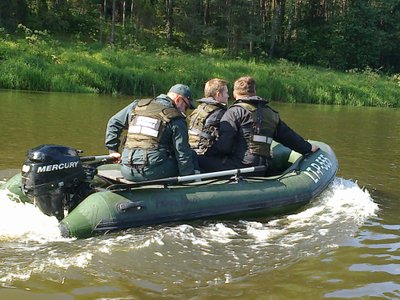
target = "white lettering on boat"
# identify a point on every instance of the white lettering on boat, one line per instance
(317, 169)
(57, 167)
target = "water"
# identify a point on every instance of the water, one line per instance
(345, 244)
(178, 259)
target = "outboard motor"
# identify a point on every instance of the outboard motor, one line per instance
(51, 175)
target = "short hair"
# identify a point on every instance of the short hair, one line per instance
(213, 86)
(245, 86)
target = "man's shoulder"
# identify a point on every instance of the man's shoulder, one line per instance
(233, 114)
(236, 110)
(208, 100)
(164, 100)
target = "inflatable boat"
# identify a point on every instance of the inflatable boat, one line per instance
(89, 196)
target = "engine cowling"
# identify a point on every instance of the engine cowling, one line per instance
(50, 175)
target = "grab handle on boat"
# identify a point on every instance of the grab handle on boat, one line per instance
(124, 206)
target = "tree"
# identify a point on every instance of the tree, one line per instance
(169, 26)
(112, 37)
(340, 34)
(358, 40)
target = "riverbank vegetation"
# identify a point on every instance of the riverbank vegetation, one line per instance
(326, 51)
(50, 66)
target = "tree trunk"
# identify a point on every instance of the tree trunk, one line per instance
(274, 29)
(228, 11)
(132, 8)
(170, 20)
(112, 37)
(290, 13)
(102, 19)
(252, 17)
(281, 20)
(123, 13)
(206, 18)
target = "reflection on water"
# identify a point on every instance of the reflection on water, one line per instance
(375, 268)
(383, 290)
(168, 259)
(32, 119)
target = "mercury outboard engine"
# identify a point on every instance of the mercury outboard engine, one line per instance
(54, 177)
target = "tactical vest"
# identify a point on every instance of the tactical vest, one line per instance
(265, 121)
(201, 134)
(148, 121)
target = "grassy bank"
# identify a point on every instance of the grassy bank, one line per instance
(49, 66)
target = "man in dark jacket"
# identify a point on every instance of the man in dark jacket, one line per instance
(247, 130)
(157, 143)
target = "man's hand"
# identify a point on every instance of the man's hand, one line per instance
(116, 156)
(314, 148)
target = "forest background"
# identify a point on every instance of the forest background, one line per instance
(319, 51)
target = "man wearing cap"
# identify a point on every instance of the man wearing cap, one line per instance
(157, 143)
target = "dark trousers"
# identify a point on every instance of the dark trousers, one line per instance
(169, 168)
(216, 163)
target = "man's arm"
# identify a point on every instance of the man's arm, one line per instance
(116, 125)
(183, 153)
(289, 138)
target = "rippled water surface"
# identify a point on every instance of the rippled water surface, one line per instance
(345, 244)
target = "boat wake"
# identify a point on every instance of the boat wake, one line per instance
(344, 202)
(219, 251)
(25, 222)
(327, 222)
(179, 251)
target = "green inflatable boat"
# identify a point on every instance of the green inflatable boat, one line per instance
(89, 195)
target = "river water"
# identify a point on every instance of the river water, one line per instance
(343, 245)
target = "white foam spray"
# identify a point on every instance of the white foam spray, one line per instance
(342, 208)
(25, 222)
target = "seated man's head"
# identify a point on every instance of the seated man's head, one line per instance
(182, 97)
(244, 87)
(217, 89)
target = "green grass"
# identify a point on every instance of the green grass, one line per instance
(50, 66)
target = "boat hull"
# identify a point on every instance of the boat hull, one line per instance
(107, 211)
(237, 197)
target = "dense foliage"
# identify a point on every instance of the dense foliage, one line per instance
(338, 34)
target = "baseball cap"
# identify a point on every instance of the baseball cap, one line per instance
(184, 91)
